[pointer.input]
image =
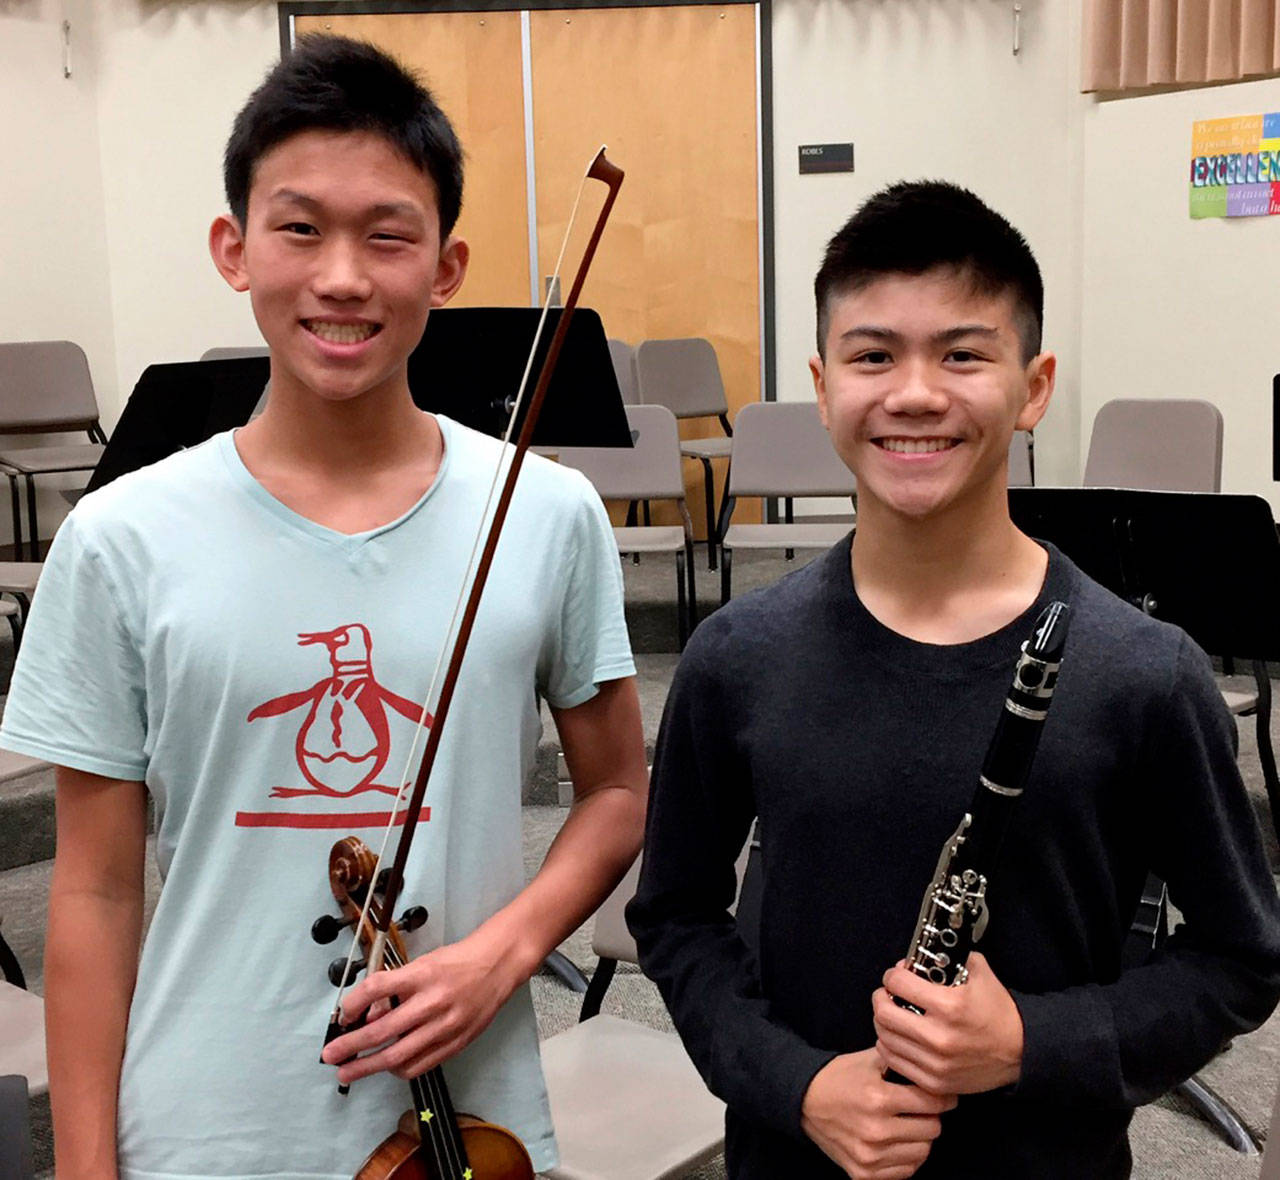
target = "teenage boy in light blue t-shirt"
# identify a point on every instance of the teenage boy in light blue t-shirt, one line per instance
(245, 632)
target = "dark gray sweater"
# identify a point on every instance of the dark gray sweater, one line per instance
(859, 749)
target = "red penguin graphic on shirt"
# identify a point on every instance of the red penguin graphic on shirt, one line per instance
(344, 739)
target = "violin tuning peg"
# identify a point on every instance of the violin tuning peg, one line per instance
(414, 917)
(380, 884)
(338, 968)
(326, 927)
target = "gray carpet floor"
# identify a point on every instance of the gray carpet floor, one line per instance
(1169, 1139)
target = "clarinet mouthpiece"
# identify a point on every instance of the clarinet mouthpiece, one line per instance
(1050, 634)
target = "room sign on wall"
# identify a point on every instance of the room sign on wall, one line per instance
(1235, 166)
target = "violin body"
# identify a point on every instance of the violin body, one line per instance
(494, 1154)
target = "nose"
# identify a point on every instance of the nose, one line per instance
(340, 272)
(919, 390)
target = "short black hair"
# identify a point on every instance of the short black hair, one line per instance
(337, 84)
(917, 226)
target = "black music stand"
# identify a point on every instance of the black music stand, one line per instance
(1209, 563)
(468, 365)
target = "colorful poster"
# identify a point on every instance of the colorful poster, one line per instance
(1235, 166)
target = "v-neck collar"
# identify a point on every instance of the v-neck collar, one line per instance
(348, 542)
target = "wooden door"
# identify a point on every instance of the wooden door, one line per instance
(672, 91)
(471, 61)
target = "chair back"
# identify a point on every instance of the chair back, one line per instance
(782, 449)
(682, 375)
(650, 470)
(623, 356)
(234, 353)
(610, 939)
(1020, 460)
(45, 387)
(1156, 444)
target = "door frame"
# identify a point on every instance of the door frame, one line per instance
(764, 113)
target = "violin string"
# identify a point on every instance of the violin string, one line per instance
(442, 1127)
(378, 947)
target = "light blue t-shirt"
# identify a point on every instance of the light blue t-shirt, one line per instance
(263, 675)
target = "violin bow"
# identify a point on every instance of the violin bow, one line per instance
(609, 174)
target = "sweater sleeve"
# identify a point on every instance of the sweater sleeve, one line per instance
(700, 811)
(1218, 975)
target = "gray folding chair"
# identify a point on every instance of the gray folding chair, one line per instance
(624, 368)
(684, 376)
(626, 1101)
(650, 470)
(22, 1036)
(234, 353)
(1021, 472)
(1157, 444)
(780, 449)
(45, 388)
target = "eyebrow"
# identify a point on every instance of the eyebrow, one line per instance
(290, 196)
(946, 336)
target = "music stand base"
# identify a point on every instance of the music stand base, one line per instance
(1219, 1113)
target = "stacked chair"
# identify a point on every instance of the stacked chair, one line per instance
(1021, 468)
(626, 1101)
(780, 449)
(650, 470)
(45, 388)
(684, 376)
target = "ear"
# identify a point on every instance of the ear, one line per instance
(818, 373)
(226, 245)
(1040, 377)
(454, 256)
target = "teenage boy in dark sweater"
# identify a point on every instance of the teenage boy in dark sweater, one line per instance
(849, 707)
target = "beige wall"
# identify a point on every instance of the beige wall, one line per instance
(930, 89)
(53, 262)
(1175, 307)
(172, 77)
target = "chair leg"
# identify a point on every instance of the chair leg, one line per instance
(789, 515)
(1266, 755)
(601, 977)
(16, 1159)
(647, 521)
(15, 625)
(709, 487)
(1220, 1114)
(726, 568)
(567, 971)
(693, 589)
(33, 523)
(682, 620)
(10, 968)
(17, 518)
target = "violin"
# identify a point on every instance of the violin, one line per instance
(431, 1141)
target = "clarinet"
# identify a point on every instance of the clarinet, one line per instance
(953, 916)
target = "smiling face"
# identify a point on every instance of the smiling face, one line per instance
(921, 389)
(342, 259)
